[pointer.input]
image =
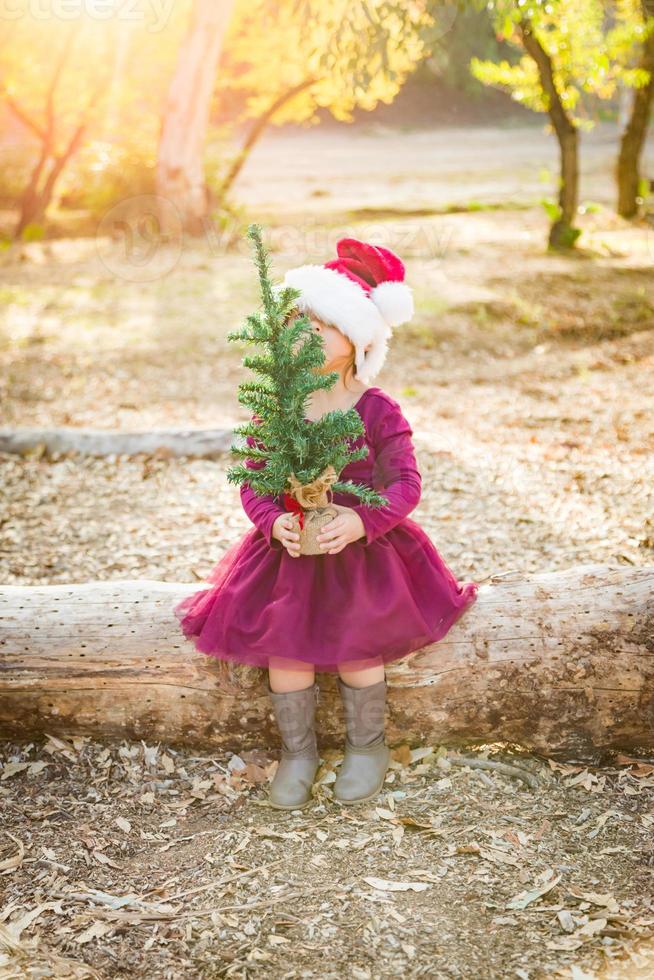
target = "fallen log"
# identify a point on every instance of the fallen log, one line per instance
(71, 440)
(561, 663)
(206, 443)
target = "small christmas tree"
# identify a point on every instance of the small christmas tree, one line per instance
(302, 458)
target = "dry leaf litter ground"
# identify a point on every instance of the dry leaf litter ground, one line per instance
(528, 380)
(137, 859)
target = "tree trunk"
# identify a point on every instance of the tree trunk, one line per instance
(31, 206)
(256, 131)
(559, 662)
(38, 193)
(633, 137)
(180, 172)
(625, 104)
(562, 234)
(35, 203)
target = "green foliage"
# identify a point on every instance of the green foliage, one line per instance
(337, 56)
(289, 352)
(471, 33)
(566, 237)
(552, 208)
(33, 232)
(591, 53)
(104, 174)
(643, 188)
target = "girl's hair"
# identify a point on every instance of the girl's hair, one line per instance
(345, 364)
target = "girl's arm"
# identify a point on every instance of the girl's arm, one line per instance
(395, 474)
(261, 509)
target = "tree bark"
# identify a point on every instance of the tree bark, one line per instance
(633, 137)
(562, 234)
(559, 662)
(35, 203)
(180, 172)
(255, 132)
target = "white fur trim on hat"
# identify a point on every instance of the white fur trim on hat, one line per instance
(394, 300)
(338, 300)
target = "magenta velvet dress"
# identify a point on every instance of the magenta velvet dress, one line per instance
(377, 600)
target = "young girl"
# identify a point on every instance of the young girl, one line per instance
(379, 591)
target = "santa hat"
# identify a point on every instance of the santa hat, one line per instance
(362, 292)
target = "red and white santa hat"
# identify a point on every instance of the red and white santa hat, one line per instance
(362, 292)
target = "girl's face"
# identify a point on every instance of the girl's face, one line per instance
(335, 343)
(337, 347)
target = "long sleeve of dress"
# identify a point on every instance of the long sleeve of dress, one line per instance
(261, 509)
(395, 474)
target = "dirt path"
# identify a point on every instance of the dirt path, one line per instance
(374, 167)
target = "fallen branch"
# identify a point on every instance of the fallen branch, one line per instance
(476, 763)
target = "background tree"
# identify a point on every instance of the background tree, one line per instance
(44, 85)
(86, 91)
(569, 63)
(635, 32)
(180, 163)
(283, 62)
(146, 121)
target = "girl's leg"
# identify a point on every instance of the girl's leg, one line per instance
(293, 696)
(361, 678)
(367, 756)
(282, 679)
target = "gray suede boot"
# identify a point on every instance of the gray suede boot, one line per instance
(295, 713)
(364, 767)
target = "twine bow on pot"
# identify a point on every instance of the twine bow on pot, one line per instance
(309, 496)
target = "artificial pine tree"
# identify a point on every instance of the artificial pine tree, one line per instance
(302, 458)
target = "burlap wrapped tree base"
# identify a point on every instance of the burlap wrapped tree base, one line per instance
(310, 500)
(314, 521)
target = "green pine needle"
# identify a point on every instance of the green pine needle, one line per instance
(284, 366)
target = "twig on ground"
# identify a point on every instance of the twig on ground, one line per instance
(475, 763)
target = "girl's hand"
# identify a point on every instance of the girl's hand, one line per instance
(285, 529)
(338, 532)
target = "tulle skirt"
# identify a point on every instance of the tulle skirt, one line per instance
(368, 604)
